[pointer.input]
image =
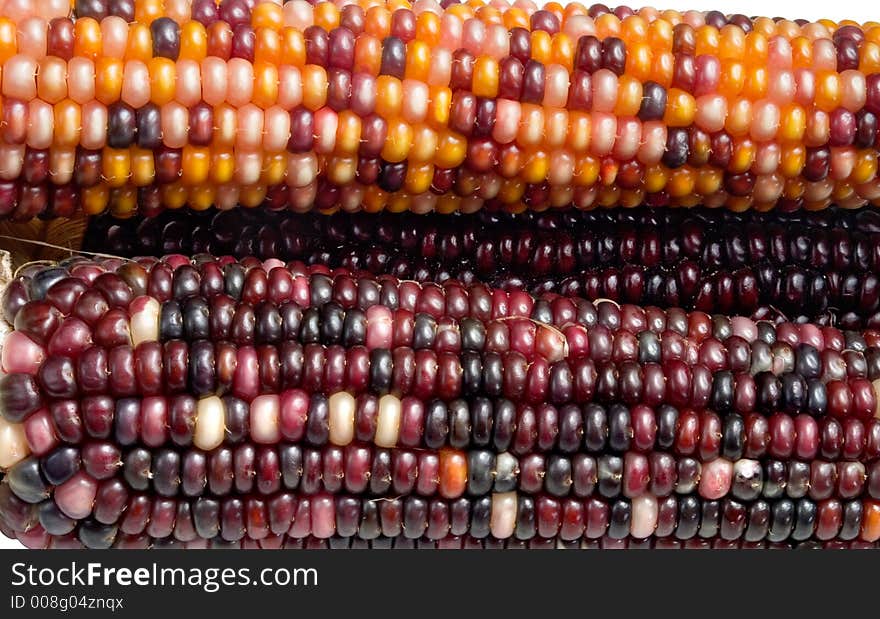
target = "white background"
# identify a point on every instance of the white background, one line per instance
(858, 10)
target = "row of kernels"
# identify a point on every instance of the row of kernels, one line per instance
(31, 201)
(764, 174)
(82, 118)
(88, 289)
(385, 17)
(21, 202)
(342, 47)
(532, 245)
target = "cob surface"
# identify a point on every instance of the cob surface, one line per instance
(398, 414)
(133, 106)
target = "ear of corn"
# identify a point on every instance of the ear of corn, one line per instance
(489, 376)
(139, 106)
(174, 401)
(816, 267)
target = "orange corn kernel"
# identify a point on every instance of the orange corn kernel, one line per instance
(418, 60)
(633, 29)
(793, 123)
(195, 165)
(562, 50)
(8, 39)
(202, 198)
(757, 48)
(348, 133)
(143, 167)
(378, 22)
(123, 202)
(662, 68)
(140, 43)
(639, 59)
(146, 11)
(453, 473)
(293, 47)
(708, 41)
(222, 165)
(756, 83)
(326, 15)
(193, 41)
(163, 73)
(451, 150)
(174, 195)
(486, 77)
(828, 90)
(116, 166)
(629, 96)
(660, 35)
(268, 46)
(801, 53)
(607, 25)
(541, 46)
(439, 105)
(68, 123)
(87, 38)
(267, 15)
(515, 17)
(389, 96)
(95, 199)
(265, 85)
(398, 141)
(733, 78)
(680, 108)
(418, 178)
(732, 44)
(314, 81)
(428, 28)
(367, 55)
